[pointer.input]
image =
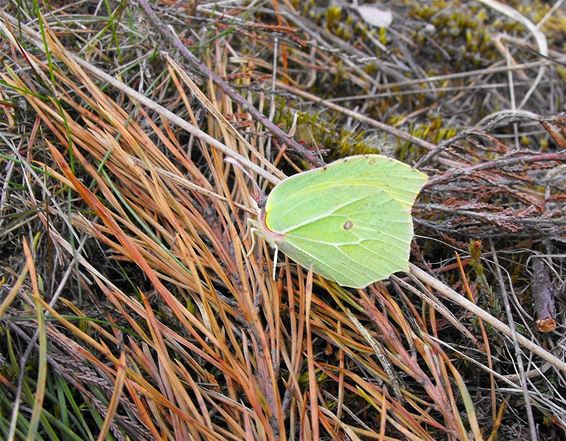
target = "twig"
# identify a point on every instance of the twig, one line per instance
(454, 76)
(498, 163)
(539, 36)
(447, 143)
(452, 295)
(498, 219)
(506, 116)
(543, 296)
(167, 33)
(514, 339)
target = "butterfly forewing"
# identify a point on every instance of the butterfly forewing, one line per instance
(350, 220)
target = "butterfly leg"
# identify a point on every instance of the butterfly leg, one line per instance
(275, 262)
(252, 232)
(252, 223)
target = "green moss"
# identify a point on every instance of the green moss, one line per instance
(314, 130)
(383, 36)
(460, 40)
(463, 32)
(333, 17)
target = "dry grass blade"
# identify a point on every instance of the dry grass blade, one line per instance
(42, 363)
(156, 317)
(115, 400)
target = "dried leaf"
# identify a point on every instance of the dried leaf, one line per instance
(375, 16)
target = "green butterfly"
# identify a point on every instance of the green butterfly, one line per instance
(350, 220)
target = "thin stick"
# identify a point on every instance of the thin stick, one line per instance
(518, 352)
(454, 76)
(543, 296)
(452, 295)
(539, 37)
(497, 163)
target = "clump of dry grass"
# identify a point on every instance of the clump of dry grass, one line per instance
(133, 305)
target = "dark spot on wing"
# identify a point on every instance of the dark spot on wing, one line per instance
(348, 225)
(371, 161)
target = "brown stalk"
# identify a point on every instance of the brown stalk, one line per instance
(543, 297)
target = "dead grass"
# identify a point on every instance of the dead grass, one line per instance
(131, 303)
